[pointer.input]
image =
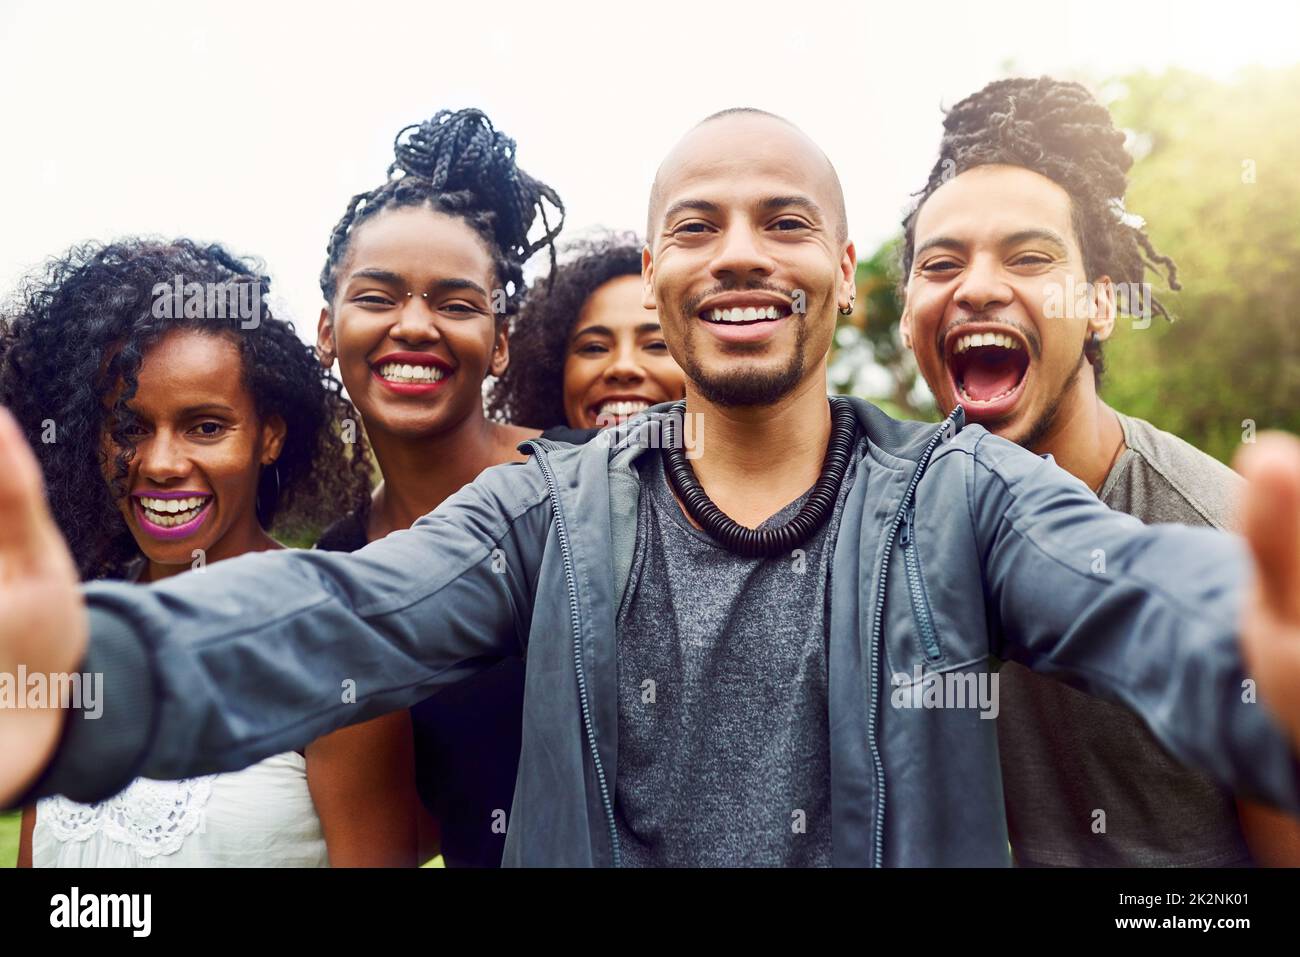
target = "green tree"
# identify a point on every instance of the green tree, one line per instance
(869, 359)
(1218, 183)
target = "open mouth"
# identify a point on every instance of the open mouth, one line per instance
(407, 373)
(988, 370)
(171, 516)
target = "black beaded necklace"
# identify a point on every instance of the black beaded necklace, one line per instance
(770, 542)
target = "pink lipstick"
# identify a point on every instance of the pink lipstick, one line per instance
(170, 532)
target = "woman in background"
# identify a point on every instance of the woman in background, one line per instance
(421, 277)
(586, 352)
(177, 422)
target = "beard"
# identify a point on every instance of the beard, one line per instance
(1039, 430)
(740, 384)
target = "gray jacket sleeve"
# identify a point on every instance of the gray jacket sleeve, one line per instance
(1143, 615)
(214, 670)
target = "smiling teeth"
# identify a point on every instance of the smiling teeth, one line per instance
(172, 505)
(622, 408)
(402, 372)
(170, 512)
(984, 339)
(747, 314)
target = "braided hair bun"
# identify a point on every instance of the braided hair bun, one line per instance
(462, 150)
(459, 164)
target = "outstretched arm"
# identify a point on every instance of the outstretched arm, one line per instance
(215, 670)
(1146, 615)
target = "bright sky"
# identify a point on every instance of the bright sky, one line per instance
(253, 123)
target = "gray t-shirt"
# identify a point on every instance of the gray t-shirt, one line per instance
(1073, 764)
(723, 733)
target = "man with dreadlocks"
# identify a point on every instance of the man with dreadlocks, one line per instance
(1018, 259)
(755, 650)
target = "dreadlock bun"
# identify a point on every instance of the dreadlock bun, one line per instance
(1056, 129)
(1042, 121)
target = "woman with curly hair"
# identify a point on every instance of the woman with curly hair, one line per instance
(422, 275)
(179, 423)
(586, 352)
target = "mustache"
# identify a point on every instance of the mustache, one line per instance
(692, 305)
(1030, 335)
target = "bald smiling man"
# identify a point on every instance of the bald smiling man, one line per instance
(769, 649)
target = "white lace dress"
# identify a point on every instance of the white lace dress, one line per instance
(262, 816)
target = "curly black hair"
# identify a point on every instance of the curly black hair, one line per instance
(1058, 130)
(531, 390)
(77, 333)
(458, 164)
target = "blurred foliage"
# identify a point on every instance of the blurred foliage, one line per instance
(298, 536)
(869, 359)
(1233, 352)
(1217, 180)
(10, 827)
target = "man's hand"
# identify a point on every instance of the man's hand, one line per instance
(42, 615)
(1270, 633)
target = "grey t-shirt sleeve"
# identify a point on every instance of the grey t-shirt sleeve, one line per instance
(1160, 478)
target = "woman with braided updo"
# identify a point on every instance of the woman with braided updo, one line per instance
(422, 275)
(178, 422)
(586, 352)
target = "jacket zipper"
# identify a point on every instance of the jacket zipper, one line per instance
(916, 588)
(877, 629)
(583, 699)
